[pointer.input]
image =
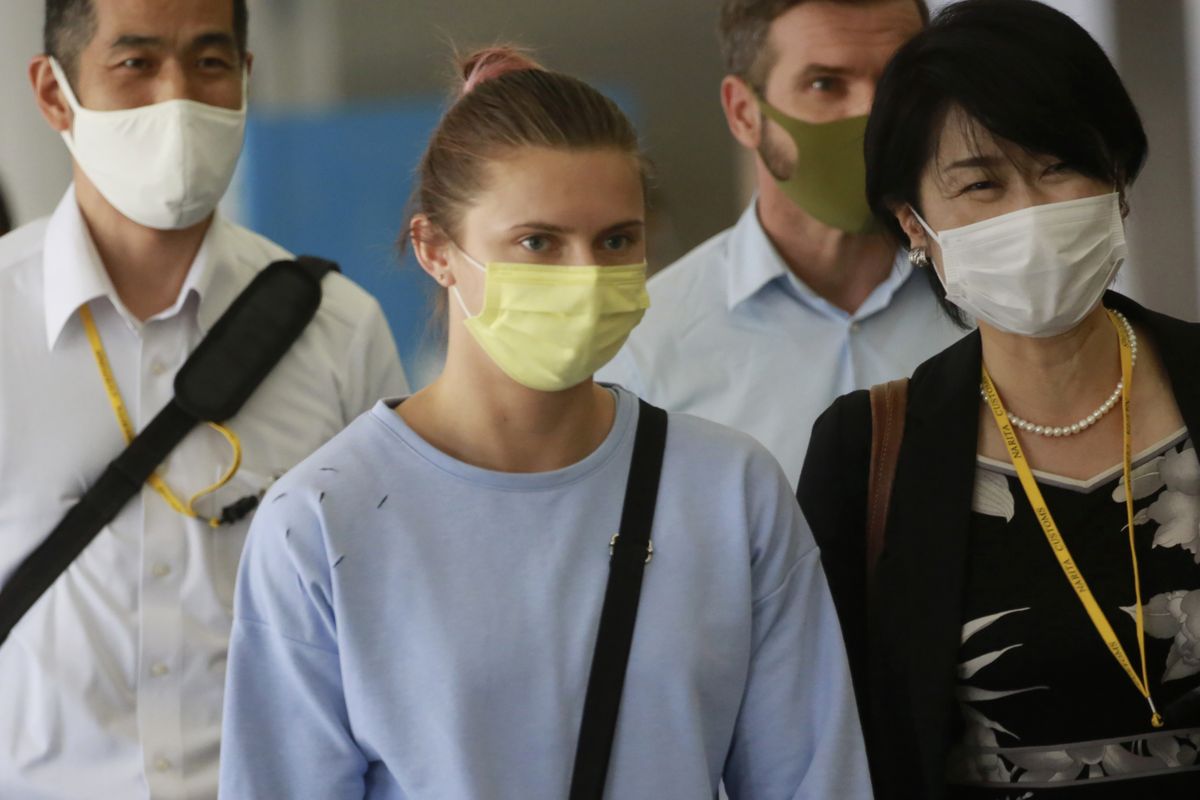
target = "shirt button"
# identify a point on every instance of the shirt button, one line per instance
(854, 326)
(159, 670)
(157, 368)
(162, 764)
(161, 570)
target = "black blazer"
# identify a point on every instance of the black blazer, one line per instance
(904, 648)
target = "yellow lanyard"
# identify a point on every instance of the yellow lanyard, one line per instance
(1069, 568)
(114, 398)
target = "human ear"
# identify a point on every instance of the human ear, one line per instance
(917, 237)
(432, 248)
(742, 114)
(48, 94)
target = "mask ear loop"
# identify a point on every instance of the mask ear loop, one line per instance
(64, 84)
(461, 304)
(919, 256)
(454, 287)
(925, 225)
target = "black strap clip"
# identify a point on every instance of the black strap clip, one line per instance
(612, 547)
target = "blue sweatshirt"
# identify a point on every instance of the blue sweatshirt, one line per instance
(410, 626)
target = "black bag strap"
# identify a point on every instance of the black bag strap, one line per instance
(222, 372)
(631, 550)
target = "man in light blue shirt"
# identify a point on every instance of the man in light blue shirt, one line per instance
(761, 327)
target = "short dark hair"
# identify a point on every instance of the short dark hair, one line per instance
(1024, 71)
(743, 33)
(71, 24)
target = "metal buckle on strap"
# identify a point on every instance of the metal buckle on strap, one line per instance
(612, 546)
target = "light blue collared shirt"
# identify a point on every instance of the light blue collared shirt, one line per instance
(734, 336)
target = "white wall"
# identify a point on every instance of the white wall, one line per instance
(34, 165)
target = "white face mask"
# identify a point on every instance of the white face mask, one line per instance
(1038, 271)
(165, 165)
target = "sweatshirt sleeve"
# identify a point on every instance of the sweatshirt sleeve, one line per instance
(833, 495)
(286, 728)
(798, 733)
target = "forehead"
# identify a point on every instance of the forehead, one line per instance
(960, 137)
(577, 187)
(167, 19)
(842, 34)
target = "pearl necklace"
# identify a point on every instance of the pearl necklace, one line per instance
(1090, 419)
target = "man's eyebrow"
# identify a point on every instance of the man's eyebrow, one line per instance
(819, 70)
(133, 40)
(210, 39)
(214, 39)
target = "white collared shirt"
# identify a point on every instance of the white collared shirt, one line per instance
(111, 686)
(732, 335)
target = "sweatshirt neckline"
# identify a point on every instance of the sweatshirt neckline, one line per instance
(384, 412)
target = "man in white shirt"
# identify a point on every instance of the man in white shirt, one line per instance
(111, 686)
(762, 326)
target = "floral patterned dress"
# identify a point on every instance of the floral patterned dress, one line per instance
(1046, 710)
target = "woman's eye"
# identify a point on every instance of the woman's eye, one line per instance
(535, 244)
(979, 186)
(618, 242)
(1058, 167)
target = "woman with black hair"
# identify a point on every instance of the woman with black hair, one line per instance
(1027, 624)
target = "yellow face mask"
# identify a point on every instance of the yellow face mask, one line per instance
(550, 327)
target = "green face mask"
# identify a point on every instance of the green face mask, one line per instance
(830, 177)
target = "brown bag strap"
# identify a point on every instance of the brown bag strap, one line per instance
(888, 402)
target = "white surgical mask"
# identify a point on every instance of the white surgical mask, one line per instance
(1038, 271)
(165, 165)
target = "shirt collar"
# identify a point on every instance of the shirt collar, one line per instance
(755, 263)
(753, 260)
(882, 296)
(72, 270)
(74, 274)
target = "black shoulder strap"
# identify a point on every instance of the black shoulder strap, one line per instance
(222, 372)
(631, 550)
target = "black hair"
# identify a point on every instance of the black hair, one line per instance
(70, 24)
(1025, 72)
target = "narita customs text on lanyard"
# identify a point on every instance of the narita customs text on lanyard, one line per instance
(1054, 537)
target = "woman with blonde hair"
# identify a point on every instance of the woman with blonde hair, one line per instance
(427, 608)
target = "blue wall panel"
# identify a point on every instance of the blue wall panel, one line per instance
(335, 184)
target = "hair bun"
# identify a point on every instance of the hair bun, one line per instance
(492, 62)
